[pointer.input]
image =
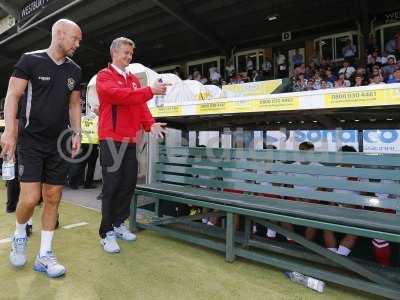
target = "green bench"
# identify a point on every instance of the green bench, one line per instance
(200, 177)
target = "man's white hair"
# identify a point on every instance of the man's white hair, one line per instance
(118, 42)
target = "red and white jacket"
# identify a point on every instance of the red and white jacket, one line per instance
(123, 111)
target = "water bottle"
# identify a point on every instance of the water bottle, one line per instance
(8, 169)
(312, 283)
(159, 100)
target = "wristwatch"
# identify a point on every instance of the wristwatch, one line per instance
(77, 133)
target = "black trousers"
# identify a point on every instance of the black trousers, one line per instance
(119, 173)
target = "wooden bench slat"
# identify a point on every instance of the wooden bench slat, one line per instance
(390, 160)
(340, 215)
(289, 168)
(300, 179)
(350, 199)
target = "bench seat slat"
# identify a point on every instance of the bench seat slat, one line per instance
(299, 179)
(290, 168)
(351, 199)
(390, 160)
(338, 215)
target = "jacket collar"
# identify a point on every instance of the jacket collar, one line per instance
(117, 71)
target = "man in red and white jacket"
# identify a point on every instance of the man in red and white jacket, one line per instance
(123, 112)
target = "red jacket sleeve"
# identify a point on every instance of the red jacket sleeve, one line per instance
(109, 91)
(148, 119)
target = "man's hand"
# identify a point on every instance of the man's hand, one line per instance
(76, 145)
(159, 88)
(158, 130)
(8, 143)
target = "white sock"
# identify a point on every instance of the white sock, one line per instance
(209, 223)
(254, 230)
(30, 221)
(342, 250)
(45, 242)
(333, 249)
(271, 233)
(204, 220)
(20, 229)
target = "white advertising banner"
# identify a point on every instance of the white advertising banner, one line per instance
(381, 141)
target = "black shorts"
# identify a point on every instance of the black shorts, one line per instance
(41, 162)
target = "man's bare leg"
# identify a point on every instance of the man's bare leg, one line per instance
(28, 198)
(46, 261)
(51, 200)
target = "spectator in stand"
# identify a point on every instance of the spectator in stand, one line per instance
(309, 72)
(383, 59)
(229, 69)
(376, 79)
(300, 84)
(324, 85)
(214, 75)
(266, 68)
(310, 84)
(371, 43)
(297, 58)
(324, 63)
(389, 69)
(249, 67)
(236, 79)
(376, 71)
(196, 75)
(342, 82)
(203, 80)
(349, 51)
(347, 69)
(259, 76)
(330, 77)
(391, 46)
(396, 77)
(282, 65)
(359, 80)
(317, 79)
(373, 57)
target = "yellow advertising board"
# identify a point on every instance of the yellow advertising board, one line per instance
(89, 131)
(251, 88)
(277, 104)
(362, 98)
(166, 111)
(213, 108)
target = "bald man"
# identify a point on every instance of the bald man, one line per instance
(47, 83)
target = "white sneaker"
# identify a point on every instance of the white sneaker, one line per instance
(109, 243)
(18, 251)
(48, 264)
(122, 232)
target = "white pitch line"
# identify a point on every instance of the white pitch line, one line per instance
(75, 225)
(4, 241)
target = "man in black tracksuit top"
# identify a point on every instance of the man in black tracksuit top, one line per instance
(47, 83)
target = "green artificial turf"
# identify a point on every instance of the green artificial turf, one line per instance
(153, 267)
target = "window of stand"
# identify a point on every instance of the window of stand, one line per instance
(385, 33)
(204, 65)
(257, 57)
(167, 69)
(332, 45)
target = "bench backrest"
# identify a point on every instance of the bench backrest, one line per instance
(362, 179)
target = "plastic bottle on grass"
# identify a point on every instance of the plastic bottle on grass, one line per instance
(312, 283)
